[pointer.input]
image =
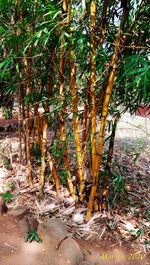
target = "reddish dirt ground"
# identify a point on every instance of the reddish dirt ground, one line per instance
(14, 250)
(106, 253)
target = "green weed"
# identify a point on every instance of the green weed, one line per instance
(32, 236)
(6, 197)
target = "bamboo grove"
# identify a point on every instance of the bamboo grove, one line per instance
(68, 65)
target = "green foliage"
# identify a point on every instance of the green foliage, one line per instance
(6, 197)
(7, 113)
(119, 184)
(147, 215)
(7, 163)
(135, 234)
(140, 232)
(64, 175)
(32, 236)
(57, 149)
(118, 187)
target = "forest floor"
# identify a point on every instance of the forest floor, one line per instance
(121, 237)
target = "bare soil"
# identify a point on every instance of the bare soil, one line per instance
(14, 250)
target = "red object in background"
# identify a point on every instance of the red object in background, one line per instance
(143, 111)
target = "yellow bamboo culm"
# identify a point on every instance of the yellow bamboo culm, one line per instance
(43, 155)
(103, 119)
(93, 82)
(65, 156)
(28, 90)
(62, 129)
(73, 91)
(54, 172)
(19, 85)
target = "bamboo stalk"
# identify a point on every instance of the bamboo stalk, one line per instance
(105, 189)
(28, 67)
(87, 136)
(84, 124)
(103, 22)
(43, 155)
(111, 148)
(19, 115)
(73, 90)
(104, 115)
(93, 83)
(37, 124)
(27, 114)
(62, 129)
(54, 172)
(65, 155)
(19, 86)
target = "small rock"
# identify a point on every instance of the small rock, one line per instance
(53, 229)
(3, 207)
(70, 249)
(69, 201)
(19, 212)
(78, 218)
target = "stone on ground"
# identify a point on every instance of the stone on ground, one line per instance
(54, 229)
(24, 226)
(71, 250)
(19, 212)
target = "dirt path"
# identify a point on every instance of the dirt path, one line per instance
(14, 250)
